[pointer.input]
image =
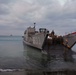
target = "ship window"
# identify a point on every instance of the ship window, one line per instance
(42, 30)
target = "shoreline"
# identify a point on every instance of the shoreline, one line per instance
(38, 72)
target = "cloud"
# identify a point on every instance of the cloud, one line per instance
(4, 1)
(17, 15)
(4, 10)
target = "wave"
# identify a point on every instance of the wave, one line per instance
(10, 70)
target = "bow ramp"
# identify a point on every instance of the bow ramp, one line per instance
(70, 40)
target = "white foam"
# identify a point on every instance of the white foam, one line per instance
(10, 70)
(44, 52)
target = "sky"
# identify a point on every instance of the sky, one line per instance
(57, 15)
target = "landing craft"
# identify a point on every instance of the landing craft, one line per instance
(49, 43)
(39, 38)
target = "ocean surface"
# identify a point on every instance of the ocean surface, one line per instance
(14, 54)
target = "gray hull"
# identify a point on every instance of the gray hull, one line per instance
(32, 45)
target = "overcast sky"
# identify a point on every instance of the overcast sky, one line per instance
(17, 15)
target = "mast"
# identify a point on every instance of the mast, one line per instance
(34, 25)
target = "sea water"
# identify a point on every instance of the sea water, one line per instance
(14, 54)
